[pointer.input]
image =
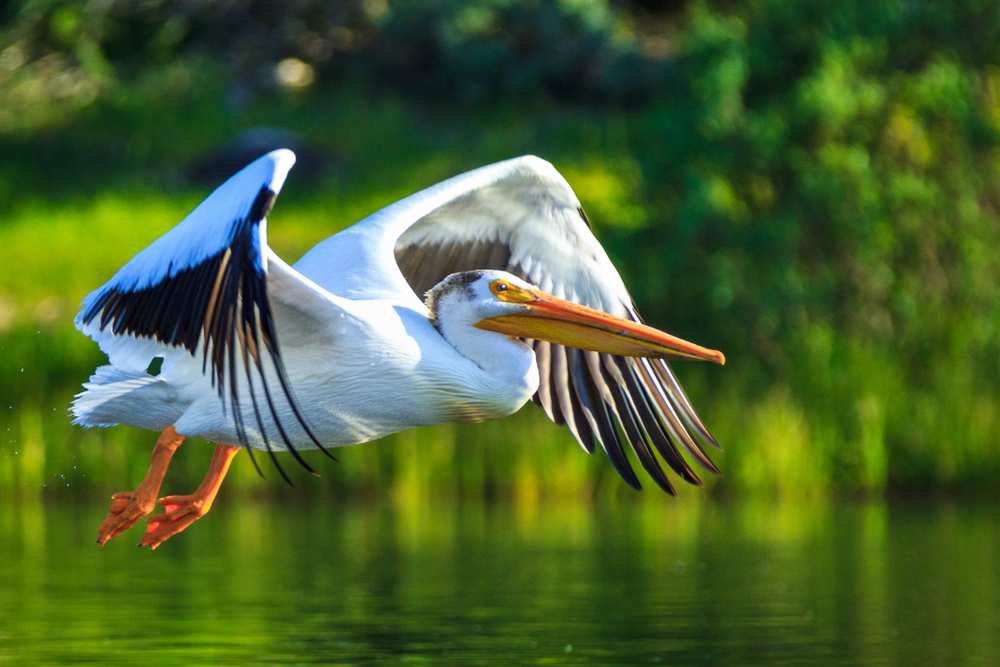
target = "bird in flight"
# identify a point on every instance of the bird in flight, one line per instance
(456, 304)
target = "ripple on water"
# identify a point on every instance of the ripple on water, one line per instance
(671, 583)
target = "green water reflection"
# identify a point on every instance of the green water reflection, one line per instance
(671, 583)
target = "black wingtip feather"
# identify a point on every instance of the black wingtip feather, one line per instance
(638, 440)
(645, 434)
(646, 416)
(687, 412)
(567, 395)
(600, 422)
(220, 300)
(667, 411)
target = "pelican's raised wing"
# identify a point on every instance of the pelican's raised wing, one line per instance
(204, 287)
(521, 216)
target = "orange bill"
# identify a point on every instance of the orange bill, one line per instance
(556, 320)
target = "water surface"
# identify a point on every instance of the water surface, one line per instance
(656, 583)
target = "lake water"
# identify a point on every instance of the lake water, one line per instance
(671, 583)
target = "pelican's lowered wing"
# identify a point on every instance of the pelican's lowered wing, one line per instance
(521, 216)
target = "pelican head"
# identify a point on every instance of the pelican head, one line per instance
(492, 300)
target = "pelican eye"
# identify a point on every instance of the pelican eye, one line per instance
(504, 291)
(498, 287)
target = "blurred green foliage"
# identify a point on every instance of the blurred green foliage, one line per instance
(808, 186)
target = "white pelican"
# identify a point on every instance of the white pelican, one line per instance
(507, 255)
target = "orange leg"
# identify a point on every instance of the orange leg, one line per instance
(182, 511)
(130, 506)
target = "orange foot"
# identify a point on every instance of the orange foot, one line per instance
(126, 510)
(130, 506)
(182, 511)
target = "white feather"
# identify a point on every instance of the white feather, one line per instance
(523, 202)
(114, 395)
(206, 231)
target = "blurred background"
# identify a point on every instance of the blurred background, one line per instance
(808, 186)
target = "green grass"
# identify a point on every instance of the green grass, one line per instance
(836, 414)
(57, 251)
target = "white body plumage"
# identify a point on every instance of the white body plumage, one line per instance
(340, 348)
